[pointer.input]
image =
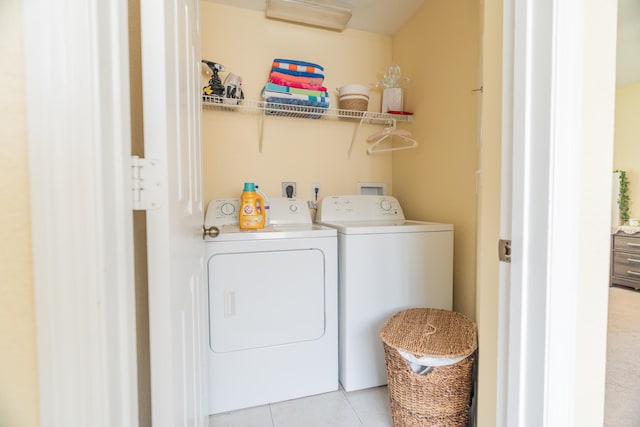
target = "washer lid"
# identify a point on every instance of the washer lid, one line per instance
(384, 227)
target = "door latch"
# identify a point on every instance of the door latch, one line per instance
(504, 250)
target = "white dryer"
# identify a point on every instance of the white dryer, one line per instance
(272, 307)
(386, 264)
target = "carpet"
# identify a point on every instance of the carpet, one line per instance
(622, 392)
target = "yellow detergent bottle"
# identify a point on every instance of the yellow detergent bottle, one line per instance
(252, 215)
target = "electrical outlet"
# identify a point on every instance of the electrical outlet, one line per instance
(315, 190)
(291, 193)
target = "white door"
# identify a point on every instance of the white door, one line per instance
(558, 135)
(177, 292)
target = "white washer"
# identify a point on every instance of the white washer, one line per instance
(386, 264)
(273, 320)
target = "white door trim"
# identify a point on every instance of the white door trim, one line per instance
(504, 297)
(554, 335)
(77, 81)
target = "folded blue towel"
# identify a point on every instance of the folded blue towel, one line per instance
(295, 108)
(287, 89)
(297, 62)
(294, 98)
(301, 102)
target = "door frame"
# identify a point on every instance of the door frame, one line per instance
(82, 244)
(560, 131)
(77, 104)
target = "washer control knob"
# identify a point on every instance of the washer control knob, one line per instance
(227, 209)
(385, 205)
(293, 208)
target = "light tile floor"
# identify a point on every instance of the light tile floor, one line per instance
(369, 407)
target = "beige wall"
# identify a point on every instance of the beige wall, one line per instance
(447, 154)
(18, 370)
(439, 48)
(300, 150)
(627, 141)
(446, 127)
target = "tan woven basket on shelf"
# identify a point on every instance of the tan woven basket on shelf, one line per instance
(353, 104)
(442, 397)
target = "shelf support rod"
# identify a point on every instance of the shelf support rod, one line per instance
(264, 113)
(355, 133)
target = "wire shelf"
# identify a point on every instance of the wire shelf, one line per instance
(299, 111)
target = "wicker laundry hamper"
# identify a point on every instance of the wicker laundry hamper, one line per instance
(442, 396)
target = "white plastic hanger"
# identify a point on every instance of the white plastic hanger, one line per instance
(388, 133)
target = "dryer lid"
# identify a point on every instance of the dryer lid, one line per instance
(281, 211)
(232, 232)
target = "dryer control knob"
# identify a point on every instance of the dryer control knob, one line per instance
(293, 208)
(385, 205)
(227, 209)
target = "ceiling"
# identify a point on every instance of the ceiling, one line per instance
(376, 16)
(386, 17)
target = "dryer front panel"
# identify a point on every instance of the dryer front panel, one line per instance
(269, 298)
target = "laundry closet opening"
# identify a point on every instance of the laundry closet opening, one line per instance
(439, 48)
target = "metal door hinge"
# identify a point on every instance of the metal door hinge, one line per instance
(504, 250)
(146, 183)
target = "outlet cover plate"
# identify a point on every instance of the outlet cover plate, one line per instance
(284, 189)
(313, 189)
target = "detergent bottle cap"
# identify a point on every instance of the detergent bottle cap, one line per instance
(249, 186)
